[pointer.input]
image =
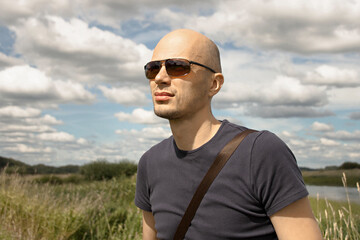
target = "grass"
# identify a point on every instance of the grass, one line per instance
(46, 208)
(331, 177)
(338, 220)
(88, 210)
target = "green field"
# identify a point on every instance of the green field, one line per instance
(41, 208)
(87, 210)
(331, 177)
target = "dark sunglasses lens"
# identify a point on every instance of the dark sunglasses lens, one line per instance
(176, 67)
(152, 69)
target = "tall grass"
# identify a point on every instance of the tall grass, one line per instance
(338, 220)
(33, 209)
(90, 210)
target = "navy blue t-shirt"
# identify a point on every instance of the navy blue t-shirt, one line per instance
(260, 178)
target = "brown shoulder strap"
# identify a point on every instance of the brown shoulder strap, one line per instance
(213, 171)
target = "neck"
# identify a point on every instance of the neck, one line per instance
(193, 132)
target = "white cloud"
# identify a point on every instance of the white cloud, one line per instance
(125, 95)
(321, 127)
(48, 120)
(101, 43)
(284, 91)
(284, 97)
(56, 137)
(333, 77)
(155, 133)
(7, 61)
(344, 98)
(286, 112)
(72, 49)
(23, 128)
(320, 152)
(344, 135)
(22, 148)
(298, 26)
(82, 141)
(26, 85)
(14, 10)
(140, 116)
(329, 142)
(17, 112)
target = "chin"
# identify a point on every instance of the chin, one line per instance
(167, 114)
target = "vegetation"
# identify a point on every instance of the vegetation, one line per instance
(14, 166)
(338, 220)
(331, 177)
(97, 203)
(102, 170)
(88, 210)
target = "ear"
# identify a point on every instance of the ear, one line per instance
(216, 84)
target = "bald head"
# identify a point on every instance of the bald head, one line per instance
(188, 44)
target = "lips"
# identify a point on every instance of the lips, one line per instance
(163, 96)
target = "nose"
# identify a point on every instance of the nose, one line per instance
(162, 77)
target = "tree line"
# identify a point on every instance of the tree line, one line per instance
(97, 170)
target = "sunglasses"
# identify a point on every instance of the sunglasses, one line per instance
(175, 67)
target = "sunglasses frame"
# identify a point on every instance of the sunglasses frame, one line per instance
(181, 59)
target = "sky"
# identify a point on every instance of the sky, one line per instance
(73, 90)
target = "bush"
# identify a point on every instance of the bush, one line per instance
(55, 180)
(103, 170)
(349, 165)
(51, 179)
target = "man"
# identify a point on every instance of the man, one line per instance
(259, 194)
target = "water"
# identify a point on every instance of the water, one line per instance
(334, 193)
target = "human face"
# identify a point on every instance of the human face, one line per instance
(187, 96)
(182, 96)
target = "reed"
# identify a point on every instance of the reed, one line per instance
(338, 220)
(91, 210)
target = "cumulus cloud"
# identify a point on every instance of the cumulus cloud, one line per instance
(25, 128)
(286, 112)
(102, 44)
(333, 77)
(75, 50)
(321, 127)
(140, 116)
(322, 151)
(18, 9)
(56, 137)
(284, 97)
(284, 90)
(155, 133)
(344, 135)
(125, 96)
(26, 85)
(355, 115)
(7, 61)
(22, 148)
(17, 112)
(329, 142)
(327, 26)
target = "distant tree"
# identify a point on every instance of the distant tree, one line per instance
(68, 169)
(331, 168)
(9, 162)
(349, 165)
(103, 170)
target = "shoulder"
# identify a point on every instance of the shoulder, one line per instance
(266, 144)
(267, 139)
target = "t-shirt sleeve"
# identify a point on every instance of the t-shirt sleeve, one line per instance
(275, 175)
(142, 193)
